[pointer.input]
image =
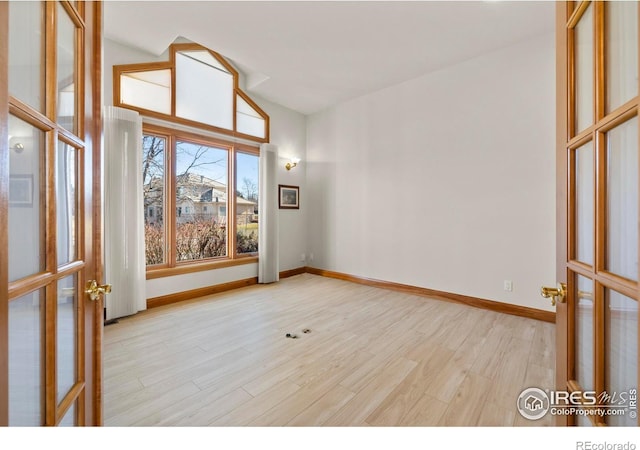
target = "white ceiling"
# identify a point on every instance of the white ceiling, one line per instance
(308, 56)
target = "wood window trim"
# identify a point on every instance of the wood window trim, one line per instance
(174, 48)
(171, 266)
(240, 93)
(154, 272)
(119, 70)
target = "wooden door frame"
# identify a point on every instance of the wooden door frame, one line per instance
(92, 111)
(562, 133)
(602, 123)
(93, 131)
(4, 205)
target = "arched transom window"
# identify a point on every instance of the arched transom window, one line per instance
(196, 87)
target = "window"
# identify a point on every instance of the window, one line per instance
(196, 87)
(201, 180)
(200, 192)
(247, 202)
(209, 200)
(213, 102)
(153, 187)
(150, 90)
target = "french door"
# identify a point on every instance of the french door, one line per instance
(50, 329)
(598, 164)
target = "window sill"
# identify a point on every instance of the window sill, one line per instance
(199, 267)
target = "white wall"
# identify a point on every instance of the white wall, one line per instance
(288, 132)
(446, 181)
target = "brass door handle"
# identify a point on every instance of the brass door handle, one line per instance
(95, 290)
(555, 293)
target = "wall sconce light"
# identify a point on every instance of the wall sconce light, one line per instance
(291, 164)
(18, 148)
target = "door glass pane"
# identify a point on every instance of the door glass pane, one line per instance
(584, 71)
(26, 42)
(66, 335)
(26, 317)
(622, 200)
(66, 67)
(584, 203)
(26, 147)
(67, 202)
(622, 349)
(69, 419)
(247, 203)
(584, 332)
(153, 185)
(201, 182)
(622, 52)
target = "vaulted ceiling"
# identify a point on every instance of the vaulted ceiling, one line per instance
(309, 56)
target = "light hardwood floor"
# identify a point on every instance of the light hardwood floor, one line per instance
(373, 358)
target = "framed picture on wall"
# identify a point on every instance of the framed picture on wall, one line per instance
(289, 197)
(21, 190)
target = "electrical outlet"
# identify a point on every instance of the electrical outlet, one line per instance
(311, 256)
(508, 285)
(303, 257)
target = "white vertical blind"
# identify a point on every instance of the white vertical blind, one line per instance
(123, 215)
(268, 265)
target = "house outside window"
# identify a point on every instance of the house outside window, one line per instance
(189, 172)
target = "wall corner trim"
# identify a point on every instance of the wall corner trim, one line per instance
(491, 305)
(292, 272)
(200, 292)
(215, 289)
